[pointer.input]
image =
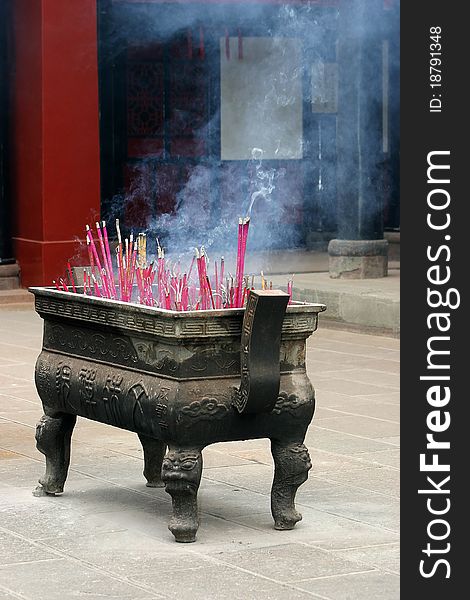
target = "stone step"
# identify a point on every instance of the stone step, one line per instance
(9, 276)
(363, 305)
(15, 296)
(9, 283)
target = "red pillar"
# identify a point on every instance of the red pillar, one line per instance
(56, 170)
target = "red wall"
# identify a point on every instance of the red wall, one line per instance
(55, 133)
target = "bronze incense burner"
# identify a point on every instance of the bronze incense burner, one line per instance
(181, 381)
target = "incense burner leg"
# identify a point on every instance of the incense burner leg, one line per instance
(291, 467)
(181, 473)
(154, 451)
(53, 435)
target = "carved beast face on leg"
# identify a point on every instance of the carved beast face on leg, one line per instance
(182, 470)
(294, 462)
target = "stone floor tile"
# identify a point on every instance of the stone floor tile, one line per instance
(330, 399)
(4, 361)
(21, 313)
(343, 443)
(107, 511)
(372, 376)
(353, 503)
(254, 455)
(324, 412)
(20, 327)
(215, 534)
(18, 437)
(361, 406)
(386, 360)
(16, 549)
(29, 418)
(125, 553)
(260, 443)
(389, 458)
(18, 352)
(11, 495)
(325, 463)
(58, 579)
(27, 393)
(20, 471)
(394, 440)
(42, 518)
(29, 341)
(6, 595)
(363, 426)
(322, 529)
(357, 586)
(106, 464)
(229, 501)
(91, 496)
(213, 458)
(383, 365)
(16, 405)
(351, 388)
(255, 477)
(102, 435)
(385, 557)
(336, 360)
(220, 581)
(326, 346)
(290, 562)
(19, 370)
(388, 397)
(317, 367)
(359, 339)
(380, 479)
(8, 382)
(8, 454)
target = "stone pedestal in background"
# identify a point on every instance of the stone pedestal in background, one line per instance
(9, 276)
(358, 259)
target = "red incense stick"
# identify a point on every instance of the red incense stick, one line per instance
(210, 291)
(93, 248)
(69, 268)
(109, 260)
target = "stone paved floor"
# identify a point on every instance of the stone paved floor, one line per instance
(107, 536)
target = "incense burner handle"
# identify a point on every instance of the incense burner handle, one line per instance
(260, 352)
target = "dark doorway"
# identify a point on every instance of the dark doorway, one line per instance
(176, 156)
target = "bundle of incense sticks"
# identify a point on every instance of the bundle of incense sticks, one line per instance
(159, 283)
(243, 226)
(290, 283)
(101, 271)
(265, 284)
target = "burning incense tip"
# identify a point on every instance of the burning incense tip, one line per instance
(118, 231)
